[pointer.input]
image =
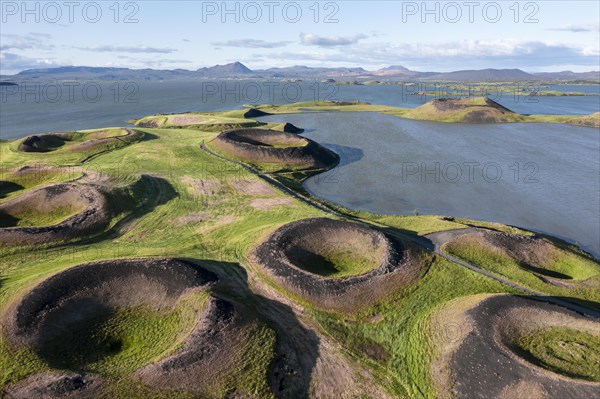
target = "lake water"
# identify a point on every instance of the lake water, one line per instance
(549, 173)
(63, 106)
(542, 177)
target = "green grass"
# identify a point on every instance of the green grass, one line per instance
(425, 112)
(401, 330)
(248, 376)
(36, 176)
(576, 266)
(583, 274)
(34, 217)
(418, 225)
(565, 351)
(392, 339)
(118, 343)
(494, 226)
(339, 263)
(69, 154)
(83, 135)
(175, 154)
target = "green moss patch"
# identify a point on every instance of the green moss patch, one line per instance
(565, 351)
(35, 217)
(120, 341)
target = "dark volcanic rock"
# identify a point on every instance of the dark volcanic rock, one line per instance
(281, 257)
(44, 142)
(289, 128)
(488, 364)
(255, 113)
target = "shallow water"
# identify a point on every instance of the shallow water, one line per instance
(542, 177)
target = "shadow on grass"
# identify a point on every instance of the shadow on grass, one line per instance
(544, 272)
(8, 187)
(87, 340)
(297, 348)
(84, 343)
(152, 190)
(7, 220)
(149, 137)
(312, 262)
(581, 302)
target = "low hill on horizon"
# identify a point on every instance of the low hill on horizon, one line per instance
(239, 70)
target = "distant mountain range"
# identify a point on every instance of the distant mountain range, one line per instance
(238, 70)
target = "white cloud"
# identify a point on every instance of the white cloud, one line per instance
(250, 43)
(502, 53)
(576, 28)
(13, 63)
(313, 40)
(23, 42)
(128, 49)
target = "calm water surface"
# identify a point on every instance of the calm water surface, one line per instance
(540, 176)
(543, 177)
(58, 106)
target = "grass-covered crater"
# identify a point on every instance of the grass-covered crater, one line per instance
(336, 264)
(58, 212)
(64, 211)
(546, 265)
(563, 350)
(505, 345)
(557, 341)
(85, 141)
(275, 149)
(330, 250)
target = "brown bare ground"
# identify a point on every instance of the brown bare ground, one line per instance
(449, 327)
(55, 386)
(488, 363)
(220, 222)
(515, 391)
(202, 186)
(251, 186)
(104, 134)
(184, 120)
(192, 218)
(264, 204)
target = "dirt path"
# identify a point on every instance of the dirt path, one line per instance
(431, 242)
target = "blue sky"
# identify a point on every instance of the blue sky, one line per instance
(542, 36)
